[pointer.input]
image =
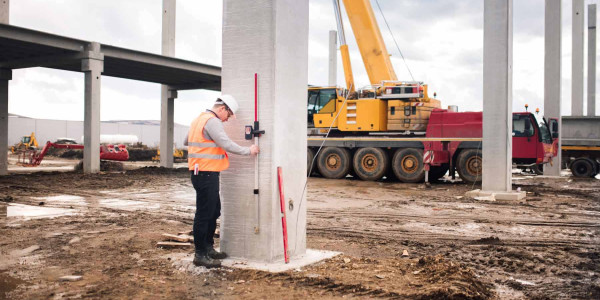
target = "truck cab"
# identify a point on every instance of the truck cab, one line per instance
(532, 141)
(321, 100)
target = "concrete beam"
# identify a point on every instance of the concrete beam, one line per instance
(5, 11)
(5, 76)
(497, 95)
(269, 38)
(167, 102)
(552, 74)
(591, 95)
(332, 58)
(92, 68)
(49, 60)
(577, 65)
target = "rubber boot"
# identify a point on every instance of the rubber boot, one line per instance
(203, 260)
(214, 254)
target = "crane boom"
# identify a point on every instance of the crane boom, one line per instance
(370, 42)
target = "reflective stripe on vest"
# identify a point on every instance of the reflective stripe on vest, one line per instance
(202, 152)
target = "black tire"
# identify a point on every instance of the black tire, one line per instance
(370, 163)
(310, 155)
(469, 165)
(436, 173)
(583, 167)
(407, 165)
(334, 162)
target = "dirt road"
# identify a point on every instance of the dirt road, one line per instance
(106, 227)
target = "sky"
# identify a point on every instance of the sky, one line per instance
(441, 40)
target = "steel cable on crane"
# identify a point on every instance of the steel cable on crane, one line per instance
(392, 34)
(312, 163)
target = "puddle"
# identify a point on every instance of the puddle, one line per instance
(127, 204)
(37, 212)
(63, 199)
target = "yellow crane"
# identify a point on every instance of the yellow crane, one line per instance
(388, 104)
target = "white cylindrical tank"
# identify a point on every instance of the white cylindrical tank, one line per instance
(128, 139)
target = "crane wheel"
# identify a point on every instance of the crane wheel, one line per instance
(334, 162)
(436, 173)
(407, 165)
(469, 165)
(310, 156)
(370, 163)
(583, 167)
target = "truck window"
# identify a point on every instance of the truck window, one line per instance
(327, 99)
(519, 125)
(545, 136)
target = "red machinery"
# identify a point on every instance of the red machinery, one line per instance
(108, 152)
(459, 144)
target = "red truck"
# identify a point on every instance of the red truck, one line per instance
(451, 142)
(532, 143)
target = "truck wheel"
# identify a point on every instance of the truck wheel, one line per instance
(370, 163)
(310, 155)
(436, 173)
(334, 162)
(583, 167)
(407, 165)
(469, 165)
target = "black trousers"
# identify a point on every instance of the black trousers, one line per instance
(208, 209)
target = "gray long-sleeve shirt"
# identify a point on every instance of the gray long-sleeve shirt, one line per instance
(213, 130)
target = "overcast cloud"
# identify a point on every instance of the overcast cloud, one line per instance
(442, 41)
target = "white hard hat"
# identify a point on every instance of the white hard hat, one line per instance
(230, 102)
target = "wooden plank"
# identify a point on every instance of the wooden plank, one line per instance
(174, 245)
(176, 238)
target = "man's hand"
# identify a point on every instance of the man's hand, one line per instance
(254, 150)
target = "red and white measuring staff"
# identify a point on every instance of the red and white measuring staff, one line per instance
(283, 217)
(256, 196)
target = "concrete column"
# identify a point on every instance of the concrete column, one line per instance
(332, 58)
(4, 11)
(552, 74)
(497, 95)
(167, 123)
(591, 95)
(93, 66)
(577, 66)
(5, 76)
(167, 97)
(269, 38)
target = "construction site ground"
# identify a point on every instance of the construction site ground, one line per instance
(397, 240)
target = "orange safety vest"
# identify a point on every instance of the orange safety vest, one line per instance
(202, 152)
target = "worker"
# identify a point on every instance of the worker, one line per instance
(208, 145)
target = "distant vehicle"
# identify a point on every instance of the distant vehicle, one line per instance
(580, 144)
(27, 142)
(32, 158)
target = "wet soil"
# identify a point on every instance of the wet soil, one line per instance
(544, 247)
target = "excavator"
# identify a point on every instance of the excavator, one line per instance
(27, 142)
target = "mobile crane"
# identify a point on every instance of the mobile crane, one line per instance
(394, 127)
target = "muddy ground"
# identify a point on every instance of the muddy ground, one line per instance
(544, 247)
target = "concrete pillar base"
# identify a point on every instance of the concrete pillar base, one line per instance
(493, 196)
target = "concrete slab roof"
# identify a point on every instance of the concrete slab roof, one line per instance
(26, 48)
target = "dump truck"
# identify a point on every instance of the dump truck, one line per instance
(580, 144)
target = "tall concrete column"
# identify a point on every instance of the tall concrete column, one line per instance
(577, 65)
(4, 11)
(167, 123)
(167, 97)
(332, 58)
(552, 74)
(92, 66)
(497, 95)
(5, 76)
(591, 95)
(269, 38)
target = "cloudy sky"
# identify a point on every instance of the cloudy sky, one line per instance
(442, 41)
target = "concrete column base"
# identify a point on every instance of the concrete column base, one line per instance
(493, 196)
